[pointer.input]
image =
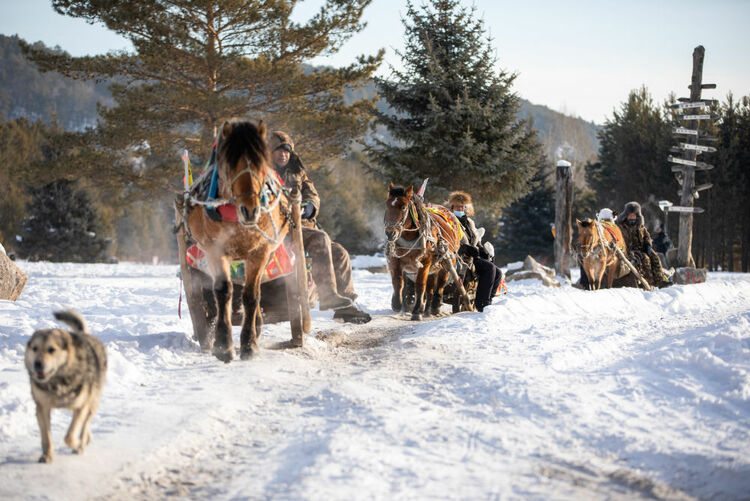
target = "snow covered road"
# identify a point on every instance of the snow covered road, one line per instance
(548, 394)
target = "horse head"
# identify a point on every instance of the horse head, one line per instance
(587, 236)
(243, 160)
(396, 210)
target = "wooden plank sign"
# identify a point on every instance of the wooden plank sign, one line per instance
(702, 187)
(697, 147)
(704, 86)
(700, 166)
(678, 208)
(685, 103)
(711, 116)
(690, 163)
(683, 130)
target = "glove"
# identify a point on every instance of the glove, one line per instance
(469, 250)
(308, 210)
(490, 250)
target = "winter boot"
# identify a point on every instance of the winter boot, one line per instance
(351, 314)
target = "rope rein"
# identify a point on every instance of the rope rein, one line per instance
(269, 186)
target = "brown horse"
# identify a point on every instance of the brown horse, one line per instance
(597, 241)
(247, 181)
(419, 242)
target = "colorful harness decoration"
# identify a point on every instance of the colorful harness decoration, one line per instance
(610, 227)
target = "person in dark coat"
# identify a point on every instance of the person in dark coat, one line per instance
(489, 276)
(331, 266)
(640, 246)
(662, 243)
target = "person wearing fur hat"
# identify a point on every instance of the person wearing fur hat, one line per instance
(640, 246)
(331, 265)
(489, 276)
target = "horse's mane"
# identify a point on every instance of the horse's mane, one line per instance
(398, 191)
(244, 140)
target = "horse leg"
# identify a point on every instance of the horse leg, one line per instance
(429, 293)
(441, 279)
(253, 320)
(600, 269)
(397, 279)
(223, 347)
(420, 283)
(611, 270)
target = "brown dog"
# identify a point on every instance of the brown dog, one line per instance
(67, 370)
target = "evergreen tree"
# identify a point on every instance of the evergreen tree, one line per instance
(452, 115)
(198, 63)
(62, 226)
(526, 224)
(633, 165)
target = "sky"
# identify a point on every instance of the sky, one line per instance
(578, 57)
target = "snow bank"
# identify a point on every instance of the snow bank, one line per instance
(550, 393)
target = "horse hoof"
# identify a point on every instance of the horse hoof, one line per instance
(248, 353)
(297, 342)
(416, 316)
(396, 306)
(224, 354)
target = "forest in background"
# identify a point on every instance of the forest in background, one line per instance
(623, 160)
(352, 195)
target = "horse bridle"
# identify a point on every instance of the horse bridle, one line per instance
(261, 182)
(599, 245)
(263, 204)
(398, 226)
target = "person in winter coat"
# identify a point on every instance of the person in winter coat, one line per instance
(489, 276)
(640, 246)
(662, 243)
(331, 266)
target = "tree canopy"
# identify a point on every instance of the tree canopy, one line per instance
(200, 62)
(452, 114)
(634, 146)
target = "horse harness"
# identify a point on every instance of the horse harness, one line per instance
(599, 251)
(424, 236)
(271, 187)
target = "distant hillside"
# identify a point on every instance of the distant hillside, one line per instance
(24, 91)
(571, 138)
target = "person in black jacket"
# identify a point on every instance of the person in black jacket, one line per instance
(489, 276)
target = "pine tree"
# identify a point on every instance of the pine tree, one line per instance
(525, 224)
(633, 165)
(62, 226)
(198, 63)
(452, 115)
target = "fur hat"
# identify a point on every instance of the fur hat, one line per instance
(461, 198)
(605, 215)
(631, 208)
(280, 139)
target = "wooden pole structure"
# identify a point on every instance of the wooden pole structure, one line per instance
(563, 217)
(296, 287)
(684, 253)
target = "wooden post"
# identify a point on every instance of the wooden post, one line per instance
(563, 217)
(295, 198)
(684, 253)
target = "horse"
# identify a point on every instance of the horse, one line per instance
(597, 241)
(247, 181)
(420, 241)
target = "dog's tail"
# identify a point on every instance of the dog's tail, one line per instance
(73, 319)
